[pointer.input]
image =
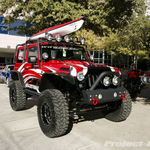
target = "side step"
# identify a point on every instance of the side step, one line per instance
(31, 92)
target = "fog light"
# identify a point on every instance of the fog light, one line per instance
(80, 85)
(115, 80)
(100, 96)
(106, 81)
(115, 94)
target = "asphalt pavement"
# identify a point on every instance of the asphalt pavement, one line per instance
(20, 130)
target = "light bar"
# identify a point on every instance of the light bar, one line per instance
(82, 40)
(49, 36)
(58, 38)
(75, 39)
(67, 38)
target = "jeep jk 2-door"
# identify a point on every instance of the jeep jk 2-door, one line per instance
(60, 73)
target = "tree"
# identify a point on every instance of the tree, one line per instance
(134, 38)
(119, 13)
(93, 42)
(39, 14)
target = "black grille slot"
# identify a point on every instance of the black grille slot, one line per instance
(91, 78)
(93, 74)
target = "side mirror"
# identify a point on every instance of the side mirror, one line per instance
(32, 59)
(91, 57)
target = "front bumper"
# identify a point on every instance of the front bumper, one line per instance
(103, 95)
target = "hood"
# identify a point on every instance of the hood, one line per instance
(73, 67)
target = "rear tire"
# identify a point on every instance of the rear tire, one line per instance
(16, 96)
(122, 111)
(53, 113)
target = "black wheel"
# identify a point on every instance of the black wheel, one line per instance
(53, 113)
(16, 96)
(122, 110)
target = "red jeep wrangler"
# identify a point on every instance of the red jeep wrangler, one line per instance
(59, 72)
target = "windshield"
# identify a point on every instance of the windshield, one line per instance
(54, 52)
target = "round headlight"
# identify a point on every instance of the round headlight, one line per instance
(80, 76)
(115, 80)
(145, 79)
(106, 81)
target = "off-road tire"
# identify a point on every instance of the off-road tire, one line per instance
(16, 96)
(53, 113)
(122, 110)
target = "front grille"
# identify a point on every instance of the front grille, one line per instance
(93, 74)
(91, 78)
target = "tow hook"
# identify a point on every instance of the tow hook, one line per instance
(124, 96)
(94, 101)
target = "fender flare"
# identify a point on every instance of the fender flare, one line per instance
(16, 75)
(124, 76)
(50, 78)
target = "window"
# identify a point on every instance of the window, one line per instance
(20, 56)
(10, 68)
(32, 51)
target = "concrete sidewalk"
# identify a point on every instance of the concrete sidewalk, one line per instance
(20, 130)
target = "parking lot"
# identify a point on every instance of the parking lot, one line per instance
(20, 130)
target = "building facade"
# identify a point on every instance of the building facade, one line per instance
(8, 41)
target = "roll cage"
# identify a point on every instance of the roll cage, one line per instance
(45, 40)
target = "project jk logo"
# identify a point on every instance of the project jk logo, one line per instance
(127, 144)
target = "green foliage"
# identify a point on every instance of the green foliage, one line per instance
(45, 13)
(119, 14)
(134, 39)
(118, 26)
(93, 42)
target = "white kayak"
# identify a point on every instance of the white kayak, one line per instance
(62, 29)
